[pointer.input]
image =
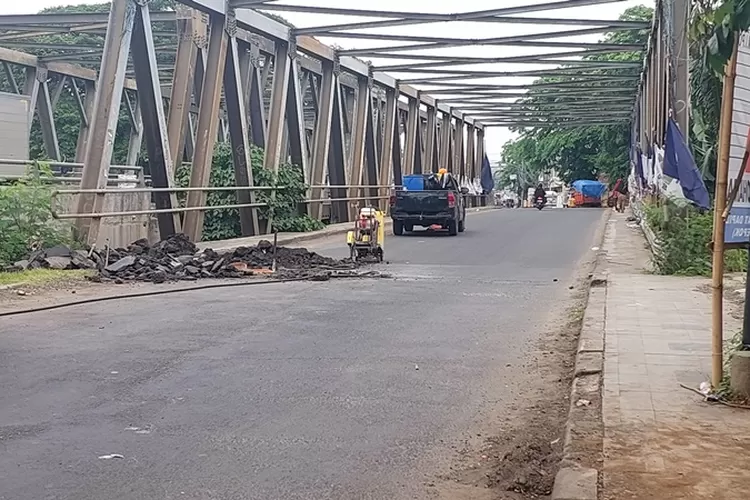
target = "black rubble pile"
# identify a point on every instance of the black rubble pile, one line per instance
(178, 259)
(58, 257)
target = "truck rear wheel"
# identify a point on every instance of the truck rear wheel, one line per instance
(452, 228)
(398, 228)
(461, 226)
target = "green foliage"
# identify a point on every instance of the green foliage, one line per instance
(685, 237)
(26, 218)
(720, 23)
(582, 152)
(282, 207)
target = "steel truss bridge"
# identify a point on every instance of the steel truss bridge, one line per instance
(354, 118)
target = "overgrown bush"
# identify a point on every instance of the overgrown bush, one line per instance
(26, 220)
(685, 242)
(282, 208)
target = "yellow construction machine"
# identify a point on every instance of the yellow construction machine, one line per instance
(367, 240)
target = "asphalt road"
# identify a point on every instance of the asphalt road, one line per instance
(285, 391)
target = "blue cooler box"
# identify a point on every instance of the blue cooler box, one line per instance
(413, 183)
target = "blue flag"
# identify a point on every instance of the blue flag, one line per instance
(486, 179)
(680, 164)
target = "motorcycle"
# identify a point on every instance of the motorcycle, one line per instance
(540, 203)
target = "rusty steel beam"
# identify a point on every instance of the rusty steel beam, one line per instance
(150, 121)
(135, 139)
(371, 153)
(430, 142)
(337, 174)
(282, 64)
(390, 132)
(412, 130)
(295, 113)
(357, 170)
(239, 137)
(322, 137)
(445, 140)
(207, 125)
(105, 115)
(46, 112)
(85, 111)
(181, 91)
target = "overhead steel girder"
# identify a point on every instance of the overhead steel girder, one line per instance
(453, 87)
(256, 22)
(604, 106)
(549, 21)
(554, 116)
(476, 75)
(71, 18)
(625, 92)
(581, 101)
(485, 93)
(561, 64)
(587, 49)
(370, 52)
(599, 110)
(548, 58)
(430, 42)
(433, 42)
(61, 68)
(395, 18)
(560, 72)
(556, 120)
(481, 114)
(542, 124)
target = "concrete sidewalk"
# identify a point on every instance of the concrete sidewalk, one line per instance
(661, 441)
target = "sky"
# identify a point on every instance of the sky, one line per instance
(495, 137)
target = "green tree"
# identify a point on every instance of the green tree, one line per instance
(583, 152)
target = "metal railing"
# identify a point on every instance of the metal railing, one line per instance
(154, 211)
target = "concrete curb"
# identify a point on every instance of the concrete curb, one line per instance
(577, 479)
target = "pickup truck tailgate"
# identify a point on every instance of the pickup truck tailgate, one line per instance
(421, 202)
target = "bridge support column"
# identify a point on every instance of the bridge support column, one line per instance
(207, 126)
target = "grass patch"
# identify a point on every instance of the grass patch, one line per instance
(37, 277)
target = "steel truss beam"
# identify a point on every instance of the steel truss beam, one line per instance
(359, 119)
(548, 21)
(395, 18)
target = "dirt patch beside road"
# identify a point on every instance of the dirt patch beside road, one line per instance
(519, 461)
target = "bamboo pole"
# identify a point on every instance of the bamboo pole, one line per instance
(720, 197)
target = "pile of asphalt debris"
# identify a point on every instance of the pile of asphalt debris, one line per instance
(178, 259)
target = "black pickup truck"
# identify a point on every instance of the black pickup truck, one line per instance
(441, 206)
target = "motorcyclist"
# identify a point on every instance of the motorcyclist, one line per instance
(540, 193)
